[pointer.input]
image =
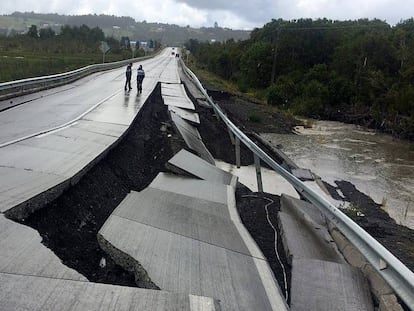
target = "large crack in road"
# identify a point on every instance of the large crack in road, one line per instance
(69, 224)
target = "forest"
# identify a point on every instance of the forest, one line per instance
(43, 52)
(359, 71)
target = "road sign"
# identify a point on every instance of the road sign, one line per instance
(104, 48)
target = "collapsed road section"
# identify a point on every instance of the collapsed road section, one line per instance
(182, 233)
(69, 224)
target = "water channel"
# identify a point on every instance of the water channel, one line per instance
(377, 164)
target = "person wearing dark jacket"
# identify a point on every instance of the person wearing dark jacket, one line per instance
(128, 74)
(140, 78)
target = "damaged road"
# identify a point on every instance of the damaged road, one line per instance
(69, 225)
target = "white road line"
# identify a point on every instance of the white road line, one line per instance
(65, 125)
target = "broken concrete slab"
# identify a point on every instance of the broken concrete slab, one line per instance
(103, 128)
(170, 74)
(302, 174)
(180, 264)
(185, 127)
(182, 249)
(75, 142)
(49, 161)
(200, 189)
(19, 292)
(178, 102)
(192, 137)
(192, 88)
(35, 169)
(304, 238)
(182, 220)
(205, 206)
(23, 253)
(18, 186)
(389, 303)
(302, 208)
(197, 167)
(327, 286)
(174, 90)
(379, 287)
(185, 114)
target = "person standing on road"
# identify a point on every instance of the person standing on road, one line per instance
(128, 74)
(140, 78)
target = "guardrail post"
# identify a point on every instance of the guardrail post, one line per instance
(258, 173)
(237, 152)
(394, 272)
(215, 111)
(231, 136)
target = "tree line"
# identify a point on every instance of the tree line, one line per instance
(167, 34)
(353, 71)
(91, 20)
(43, 52)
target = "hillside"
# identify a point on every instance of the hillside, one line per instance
(117, 27)
(358, 71)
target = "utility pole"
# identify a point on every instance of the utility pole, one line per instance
(273, 77)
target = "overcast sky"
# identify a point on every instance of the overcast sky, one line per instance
(244, 14)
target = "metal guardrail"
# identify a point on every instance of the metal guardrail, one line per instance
(394, 272)
(30, 85)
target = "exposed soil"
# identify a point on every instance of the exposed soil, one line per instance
(69, 224)
(252, 209)
(252, 116)
(396, 238)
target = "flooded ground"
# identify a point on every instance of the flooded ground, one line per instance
(377, 164)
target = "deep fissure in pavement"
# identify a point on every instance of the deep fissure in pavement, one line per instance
(69, 224)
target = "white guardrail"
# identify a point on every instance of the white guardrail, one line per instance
(30, 85)
(395, 273)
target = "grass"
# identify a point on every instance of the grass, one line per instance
(15, 65)
(27, 66)
(255, 118)
(213, 79)
(257, 96)
(352, 211)
(219, 83)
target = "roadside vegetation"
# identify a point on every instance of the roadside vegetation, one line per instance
(352, 71)
(120, 26)
(43, 52)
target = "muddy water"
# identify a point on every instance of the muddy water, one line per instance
(377, 164)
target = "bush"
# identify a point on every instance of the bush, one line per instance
(255, 118)
(282, 92)
(273, 97)
(242, 86)
(307, 107)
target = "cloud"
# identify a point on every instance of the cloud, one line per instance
(390, 10)
(232, 14)
(252, 12)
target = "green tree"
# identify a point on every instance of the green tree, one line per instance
(33, 32)
(46, 33)
(256, 64)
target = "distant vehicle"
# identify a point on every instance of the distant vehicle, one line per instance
(172, 53)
